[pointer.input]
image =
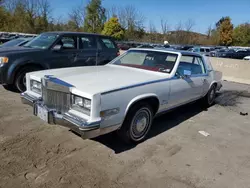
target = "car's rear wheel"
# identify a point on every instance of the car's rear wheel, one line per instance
(137, 123)
(20, 79)
(209, 99)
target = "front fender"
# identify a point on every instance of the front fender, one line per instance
(17, 64)
(138, 98)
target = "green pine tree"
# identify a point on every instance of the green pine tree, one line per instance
(95, 17)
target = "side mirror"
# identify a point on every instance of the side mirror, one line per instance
(183, 74)
(209, 70)
(57, 48)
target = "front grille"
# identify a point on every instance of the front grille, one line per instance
(56, 100)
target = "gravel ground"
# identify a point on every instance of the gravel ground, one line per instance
(35, 154)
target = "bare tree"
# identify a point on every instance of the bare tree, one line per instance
(77, 15)
(189, 25)
(189, 36)
(178, 34)
(164, 26)
(43, 16)
(112, 12)
(209, 31)
(152, 28)
(152, 31)
(11, 5)
(44, 8)
(130, 17)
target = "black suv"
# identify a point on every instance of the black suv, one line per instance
(54, 50)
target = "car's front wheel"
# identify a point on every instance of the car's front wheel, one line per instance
(20, 79)
(137, 123)
(10, 87)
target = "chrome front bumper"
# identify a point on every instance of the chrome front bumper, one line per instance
(80, 126)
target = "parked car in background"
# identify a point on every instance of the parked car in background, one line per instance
(185, 47)
(202, 50)
(145, 46)
(123, 46)
(16, 42)
(234, 53)
(216, 51)
(5, 37)
(247, 58)
(54, 50)
(124, 95)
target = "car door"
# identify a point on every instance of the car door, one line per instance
(88, 53)
(108, 51)
(185, 89)
(67, 55)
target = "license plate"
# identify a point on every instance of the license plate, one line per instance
(42, 113)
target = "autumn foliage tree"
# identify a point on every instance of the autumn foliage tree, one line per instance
(225, 28)
(113, 28)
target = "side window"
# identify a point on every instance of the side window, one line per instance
(68, 43)
(207, 50)
(108, 43)
(193, 64)
(198, 66)
(202, 50)
(88, 42)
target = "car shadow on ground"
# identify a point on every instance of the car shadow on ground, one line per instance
(225, 98)
(165, 122)
(161, 124)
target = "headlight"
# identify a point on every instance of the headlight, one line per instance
(81, 104)
(36, 86)
(3, 60)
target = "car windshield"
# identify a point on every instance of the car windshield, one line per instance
(12, 43)
(42, 41)
(148, 60)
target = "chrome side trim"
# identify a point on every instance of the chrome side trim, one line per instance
(141, 84)
(151, 82)
(176, 106)
(199, 75)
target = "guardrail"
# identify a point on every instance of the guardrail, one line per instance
(232, 69)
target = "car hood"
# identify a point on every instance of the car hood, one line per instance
(17, 49)
(99, 79)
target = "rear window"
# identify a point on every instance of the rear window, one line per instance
(108, 43)
(87, 42)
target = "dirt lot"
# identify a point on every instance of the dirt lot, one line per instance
(34, 154)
